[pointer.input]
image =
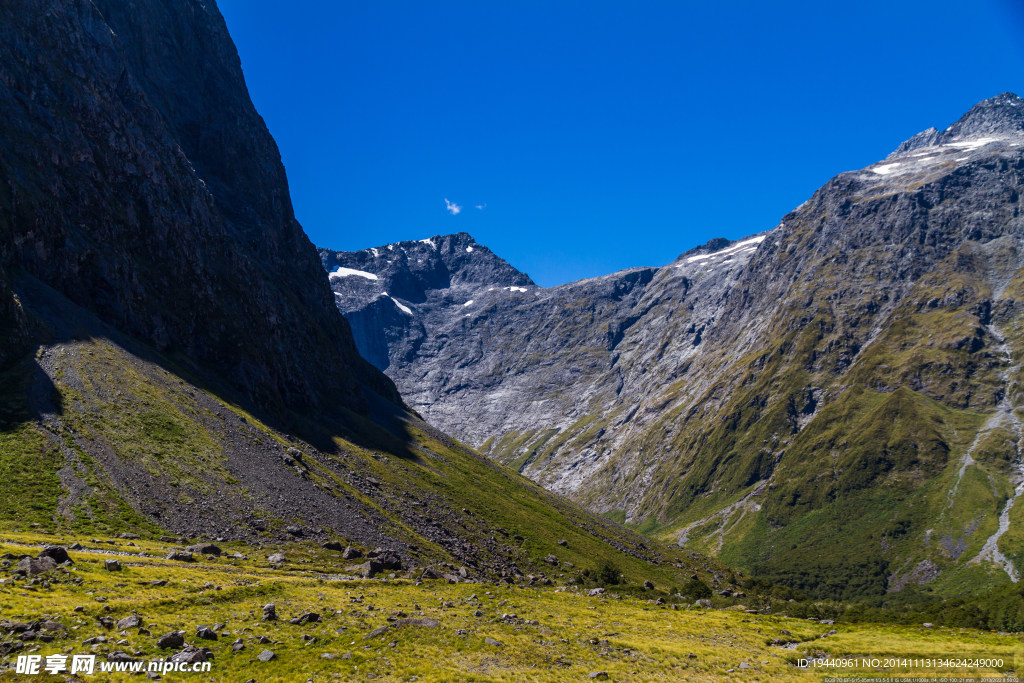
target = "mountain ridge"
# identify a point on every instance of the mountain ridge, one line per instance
(701, 400)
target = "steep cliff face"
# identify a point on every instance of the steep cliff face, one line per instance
(140, 182)
(842, 387)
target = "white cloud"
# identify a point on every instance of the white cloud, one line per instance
(452, 207)
(480, 207)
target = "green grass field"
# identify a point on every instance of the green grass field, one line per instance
(555, 633)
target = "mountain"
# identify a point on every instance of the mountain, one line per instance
(833, 403)
(171, 359)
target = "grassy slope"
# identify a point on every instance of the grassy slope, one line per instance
(131, 432)
(630, 638)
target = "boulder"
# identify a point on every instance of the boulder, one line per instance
(205, 549)
(170, 640)
(192, 655)
(181, 556)
(128, 622)
(33, 566)
(112, 565)
(56, 553)
(307, 618)
(205, 632)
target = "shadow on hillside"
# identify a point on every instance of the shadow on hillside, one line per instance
(27, 393)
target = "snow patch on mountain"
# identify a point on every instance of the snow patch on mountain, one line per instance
(342, 271)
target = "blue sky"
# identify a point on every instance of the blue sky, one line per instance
(595, 135)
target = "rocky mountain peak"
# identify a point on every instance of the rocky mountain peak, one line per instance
(411, 269)
(993, 119)
(999, 116)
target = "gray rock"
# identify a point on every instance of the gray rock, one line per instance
(33, 566)
(112, 565)
(181, 556)
(56, 553)
(191, 655)
(128, 622)
(171, 640)
(205, 633)
(205, 549)
(492, 641)
(276, 559)
(307, 618)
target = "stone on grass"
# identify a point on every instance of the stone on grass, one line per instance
(205, 632)
(170, 640)
(56, 553)
(130, 621)
(265, 656)
(307, 618)
(112, 565)
(180, 556)
(191, 655)
(205, 549)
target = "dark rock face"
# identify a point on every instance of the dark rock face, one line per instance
(832, 364)
(141, 183)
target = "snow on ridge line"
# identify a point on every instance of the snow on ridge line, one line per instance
(428, 241)
(469, 250)
(404, 309)
(468, 303)
(745, 245)
(516, 289)
(342, 271)
(396, 302)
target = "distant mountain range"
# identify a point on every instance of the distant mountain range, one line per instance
(833, 402)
